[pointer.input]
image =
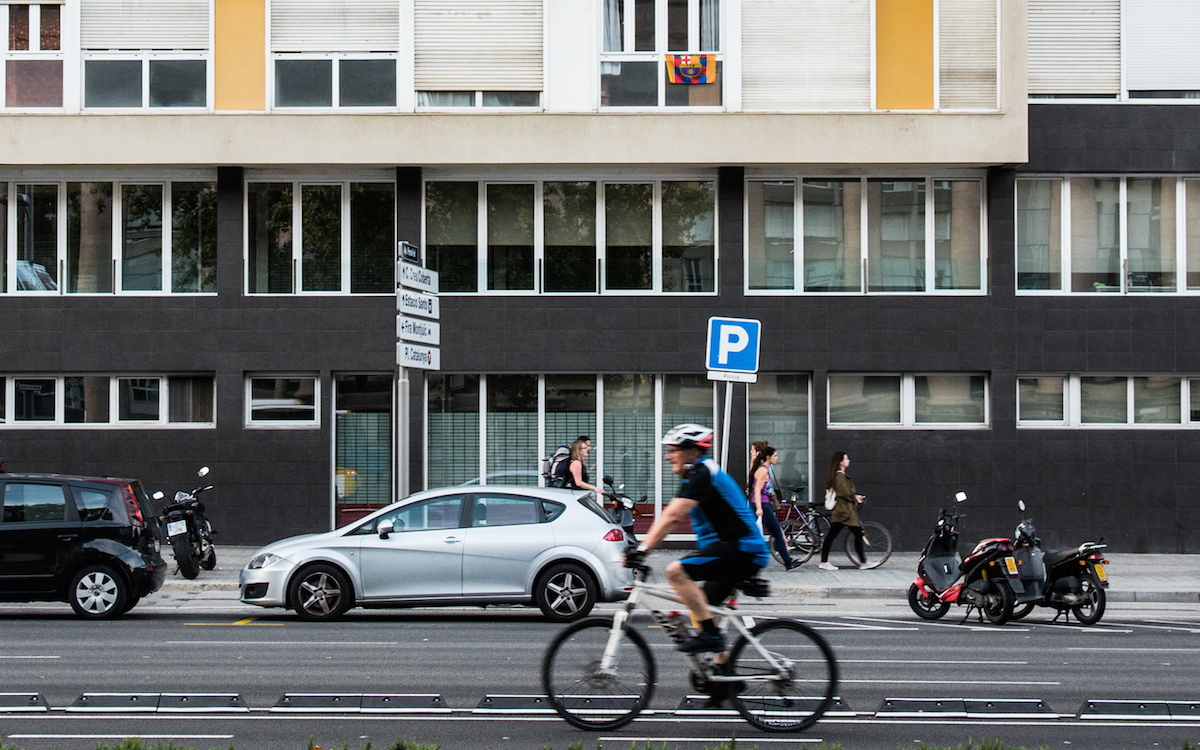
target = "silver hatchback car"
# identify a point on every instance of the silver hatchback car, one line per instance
(555, 548)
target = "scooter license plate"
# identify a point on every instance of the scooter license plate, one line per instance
(1100, 572)
(175, 528)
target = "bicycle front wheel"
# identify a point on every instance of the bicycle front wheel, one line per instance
(788, 681)
(877, 543)
(801, 542)
(584, 693)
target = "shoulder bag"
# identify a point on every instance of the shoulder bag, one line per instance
(830, 498)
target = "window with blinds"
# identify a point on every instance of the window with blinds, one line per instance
(1161, 56)
(1074, 48)
(145, 25)
(335, 26)
(479, 45)
(814, 55)
(967, 54)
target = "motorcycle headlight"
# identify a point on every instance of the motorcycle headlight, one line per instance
(264, 560)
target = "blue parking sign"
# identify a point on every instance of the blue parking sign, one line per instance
(733, 344)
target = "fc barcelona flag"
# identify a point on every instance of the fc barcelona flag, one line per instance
(691, 69)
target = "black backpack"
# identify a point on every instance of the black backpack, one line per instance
(555, 466)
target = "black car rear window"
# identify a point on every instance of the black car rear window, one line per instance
(93, 504)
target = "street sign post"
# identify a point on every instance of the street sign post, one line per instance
(418, 339)
(731, 355)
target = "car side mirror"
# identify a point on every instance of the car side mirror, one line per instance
(960, 496)
(385, 528)
(158, 495)
(203, 472)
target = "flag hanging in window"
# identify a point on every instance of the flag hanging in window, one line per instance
(691, 69)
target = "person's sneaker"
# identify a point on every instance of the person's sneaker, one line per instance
(827, 566)
(702, 643)
(719, 692)
(793, 565)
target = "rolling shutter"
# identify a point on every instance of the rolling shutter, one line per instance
(1161, 53)
(335, 26)
(967, 48)
(479, 45)
(1075, 47)
(813, 55)
(145, 24)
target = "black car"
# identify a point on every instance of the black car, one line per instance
(89, 541)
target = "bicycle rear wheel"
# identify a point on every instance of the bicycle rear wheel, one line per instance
(584, 695)
(797, 693)
(800, 541)
(877, 543)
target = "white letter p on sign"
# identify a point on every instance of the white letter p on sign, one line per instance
(733, 339)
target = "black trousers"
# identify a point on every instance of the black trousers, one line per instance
(833, 532)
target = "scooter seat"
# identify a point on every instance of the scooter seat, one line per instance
(1061, 556)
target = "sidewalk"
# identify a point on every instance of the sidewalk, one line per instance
(1133, 577)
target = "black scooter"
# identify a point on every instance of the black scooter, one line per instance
(189, 531)
(1070, 581)
(621, 507)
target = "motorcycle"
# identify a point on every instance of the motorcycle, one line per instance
(621, 506)
(1071, 581)
(985, 580)
(190, 532)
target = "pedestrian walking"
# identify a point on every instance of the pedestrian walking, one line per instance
(845, 513)
(760, 485)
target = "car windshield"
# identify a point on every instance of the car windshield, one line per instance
(590, 502)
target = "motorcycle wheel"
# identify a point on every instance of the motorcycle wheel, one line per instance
(209, 561)
(997, 600)
(1021, 611)
(188, 567)
(925, 606)
(1092, 608)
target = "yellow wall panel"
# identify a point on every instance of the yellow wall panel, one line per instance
(239, 55)
(904, 54)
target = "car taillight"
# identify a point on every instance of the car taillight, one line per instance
(614, 535)
(135, 511)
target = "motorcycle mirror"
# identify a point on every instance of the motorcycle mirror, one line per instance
(608, 479)
(158, 495)
(203, 472)
(960, 496)
(385, 528)
(1021, 505)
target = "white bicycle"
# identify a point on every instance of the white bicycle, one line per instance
(781, 675)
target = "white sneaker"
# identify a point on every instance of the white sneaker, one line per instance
(827, 566)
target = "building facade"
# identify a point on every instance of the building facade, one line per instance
(964, 224)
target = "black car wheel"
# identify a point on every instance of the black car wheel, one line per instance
(99, 593)
(565, 592)
(321, 592)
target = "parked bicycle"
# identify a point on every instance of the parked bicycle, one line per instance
(805, 528)
(781, 674)
(877, 543)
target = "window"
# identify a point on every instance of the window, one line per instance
(503, 510)
(92, 505)
(572, 236)
(437, 99)
(825, 235)
(1108, 235)
(104, 400)
(941, 401)
(32, 56)
(345, 243)
(430, 515)
(661, 53)
(282, 401)
(335, 81)
(34, 503)
(362, 443)
(1151, 401)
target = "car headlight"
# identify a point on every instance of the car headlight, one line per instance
(263, 560)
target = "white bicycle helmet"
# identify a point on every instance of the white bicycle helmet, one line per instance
(688, 435)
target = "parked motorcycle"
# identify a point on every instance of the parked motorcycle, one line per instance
(1071, 581)
(622, 508)
(190, 532)
(985, 580)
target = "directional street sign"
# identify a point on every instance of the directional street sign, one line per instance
(414, 277)
(421, 357)
(732, 345)
(416, 303)
(410, 253)
(418, 331)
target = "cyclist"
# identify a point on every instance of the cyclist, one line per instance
(730, 546)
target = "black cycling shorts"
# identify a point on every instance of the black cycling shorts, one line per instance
(721, 566)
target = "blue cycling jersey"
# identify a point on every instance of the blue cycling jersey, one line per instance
(722, 512)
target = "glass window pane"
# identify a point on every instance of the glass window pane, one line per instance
(363, 462)
(34, 503)
(453, 428)
(689, 238)
(1103, 400)
(677, 25)
(3, 242)
(1192, 237)
(85, 400)
(1041, 399)
(569, 216)
(137, 399)
(510, 236)
(950, 398)
(193, 237)
(304, 83)
(512, 413)
(92, 505)
(707, 94)
(504, 510)
(442, 513)
(3, 400)
(630, 444)
(112, 83)
(778, 412)
(772, 232)
(629, 236)
(1039, 234)
(896, 235)
(190, 398)
(710, 25)
(686, 398)
(141, 237)
(832, 236)
(1194, 389)
(321, 238)
(451, 234)
(644, 38)
(367, 83)
(446, 98)
(37, 237)
(614, 25)
(18, 27)
(864, 399)
(629, 84)
(33, 83)
(1095, 235)
(51, 27)
(178, 83)
(33, 400)
(283, 400)
(570, 413)
(512, 98)
(1150, 230)
(89, 237)
(956, 238)
(269, 252)
(372, 237)
(1157, 399)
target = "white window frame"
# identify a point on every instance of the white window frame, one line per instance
(478, 103)
(864, 244)
(9, 420)
(908, 404)
(281, 424)
(335, 90)
(145, 57)
(1073, 403)
(35, 52)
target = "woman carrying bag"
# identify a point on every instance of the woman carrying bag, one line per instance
(845, 511)
(760, 487)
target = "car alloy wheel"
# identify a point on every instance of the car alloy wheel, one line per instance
(98, 593)
(566, 593)
(321, 592)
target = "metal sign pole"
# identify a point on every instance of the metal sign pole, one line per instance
(725, 429)
(403, 466)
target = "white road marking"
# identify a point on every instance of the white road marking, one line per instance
(946, 682)
(282, 643)
(30, 657)
(120, 736)
(718, 740)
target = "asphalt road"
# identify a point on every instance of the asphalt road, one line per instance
(199, 670)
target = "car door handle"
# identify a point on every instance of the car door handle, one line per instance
(451, 540)
(67, 537)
